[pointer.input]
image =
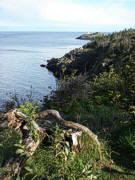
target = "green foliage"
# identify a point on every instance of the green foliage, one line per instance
(97, 56)
(104, 100)
(115, 88)
(123, 145)
(8, 139)
(30, 110)
(106, 88)
(22, 150)
(127, 142)
(58, 161)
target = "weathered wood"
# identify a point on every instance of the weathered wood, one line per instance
(70, 124)
(17, 120)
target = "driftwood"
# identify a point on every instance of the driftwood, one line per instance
(70, 124)
(17, 120)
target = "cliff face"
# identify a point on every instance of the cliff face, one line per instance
(95, 57)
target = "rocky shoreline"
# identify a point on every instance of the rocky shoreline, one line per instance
(74, 60)
(94, 57)
(80, 60)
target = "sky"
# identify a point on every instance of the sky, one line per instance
(67, 15)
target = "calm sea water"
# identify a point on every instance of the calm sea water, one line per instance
(21, 54)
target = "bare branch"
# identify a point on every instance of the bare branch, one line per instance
(70, 124)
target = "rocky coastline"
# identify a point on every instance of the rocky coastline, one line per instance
(96, 56)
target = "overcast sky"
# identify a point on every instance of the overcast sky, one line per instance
(67, 15)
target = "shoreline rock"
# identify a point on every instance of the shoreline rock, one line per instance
(42, 65)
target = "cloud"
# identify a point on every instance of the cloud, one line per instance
(107, 12)
(85, 14)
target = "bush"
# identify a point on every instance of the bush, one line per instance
(59, 162)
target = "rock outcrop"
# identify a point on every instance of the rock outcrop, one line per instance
(96, 56)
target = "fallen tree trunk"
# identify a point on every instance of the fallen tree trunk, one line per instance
(17, 120)
(70, 124)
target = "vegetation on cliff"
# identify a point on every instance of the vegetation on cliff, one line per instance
(96, 56)
(97, 87)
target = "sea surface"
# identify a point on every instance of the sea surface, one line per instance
(21, 54)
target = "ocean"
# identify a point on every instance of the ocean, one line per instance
(22, 53)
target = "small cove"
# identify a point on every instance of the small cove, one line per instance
(21, 54)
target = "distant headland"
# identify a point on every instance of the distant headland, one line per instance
(90, 36)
